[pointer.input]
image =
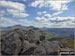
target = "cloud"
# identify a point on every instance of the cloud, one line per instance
(7, 20)
(40, 19)
(2, 13)
(16, 9)
(57, 13)
(40, 13)
(64, 7)
(56, 22)
(16, 13)
(53, 5)
(24, 0)
(25, 21)
(44, 12)
(36, 3)
(67, 24)
(62, 19)
(13, 5)
(58, 5)
(43, 18)
(47, 16)
(20, 15)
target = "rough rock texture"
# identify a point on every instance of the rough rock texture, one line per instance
(40, 50)
(24, 42)
(49, 46)
(11, 44)
(27, 48)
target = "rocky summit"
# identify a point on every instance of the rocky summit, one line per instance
(24, 42)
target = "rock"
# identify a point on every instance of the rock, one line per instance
(40, 50)
(25, 42)
(18, 41)
(28, 51)
(11, 44)
(0, 46)
(28, 48)
(30, 36)
(49, 47)
(42, 37)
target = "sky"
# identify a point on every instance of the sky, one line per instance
(37, 13)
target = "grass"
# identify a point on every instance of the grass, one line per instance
(49, 36)
(68, 43)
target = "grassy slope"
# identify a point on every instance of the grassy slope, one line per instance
(68, 43)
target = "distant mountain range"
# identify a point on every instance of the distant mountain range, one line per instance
(61, 32)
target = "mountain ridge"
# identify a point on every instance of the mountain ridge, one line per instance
(64, 32)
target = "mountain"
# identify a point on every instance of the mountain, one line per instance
(61, 32)
(7, 29)
(58, 32)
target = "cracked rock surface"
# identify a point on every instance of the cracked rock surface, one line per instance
(24, 42)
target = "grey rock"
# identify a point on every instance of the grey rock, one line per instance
(30, 36)
(49, 46)
(24, 42)
(28, 48)
(40, 50)
(11, 44)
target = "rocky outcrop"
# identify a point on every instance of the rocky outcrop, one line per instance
(40, 50)
(49, 46)
(28, 48)
(24, 42)
(11, 44)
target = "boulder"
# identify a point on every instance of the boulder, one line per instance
(49, 47)
(28, 48)
(25, 42)
(40, 50)
(18, 41)
(11, 44)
